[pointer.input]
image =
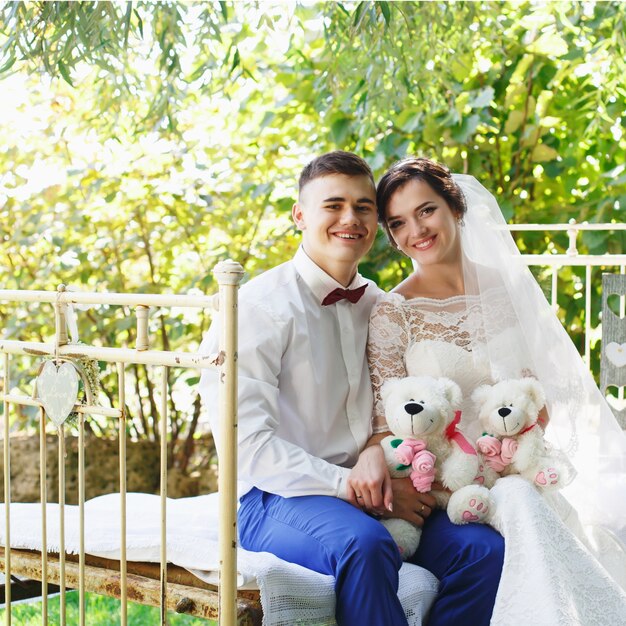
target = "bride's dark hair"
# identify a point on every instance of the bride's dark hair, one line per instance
(434, 174)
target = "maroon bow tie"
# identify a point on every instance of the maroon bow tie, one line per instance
(352, 295)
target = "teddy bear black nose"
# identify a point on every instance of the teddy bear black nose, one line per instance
(412, 408)
(503, 412)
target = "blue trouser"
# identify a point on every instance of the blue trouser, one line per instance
(467, 560)
(330, 536)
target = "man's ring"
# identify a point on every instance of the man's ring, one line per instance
(423, 508)
(359, 497)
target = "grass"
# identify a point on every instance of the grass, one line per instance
(99, 611)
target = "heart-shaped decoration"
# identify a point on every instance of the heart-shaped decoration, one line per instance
(57, 388)
(614, 302)
(616, 353)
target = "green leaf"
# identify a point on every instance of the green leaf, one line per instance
(139, 22)
(466, 129)
(514, 121)
(386, 11)
(340, 129)
(268, 118)
(65, 73)
(377, 161)
(409, 120)
(460, 68)
(8, 64)
(236, 61)
(595, 240)
(451, 118)
(127, 17)
(358, 13)
(483, 98)
(553, 168)
(542, 152)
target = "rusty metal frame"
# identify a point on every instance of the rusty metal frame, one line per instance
(185, 593)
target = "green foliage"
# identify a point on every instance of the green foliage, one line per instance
(100, 611)
(144, 142)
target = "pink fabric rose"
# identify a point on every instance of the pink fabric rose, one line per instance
(495, 463)
(491, 447)
(509, 448)
(498, 454)
(406, 451)
(423, 473)
(488, 445)
(424, 462)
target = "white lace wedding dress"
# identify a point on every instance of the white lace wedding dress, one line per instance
(550, 577)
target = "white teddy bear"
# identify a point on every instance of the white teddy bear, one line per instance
(513, 442)
(422, 414)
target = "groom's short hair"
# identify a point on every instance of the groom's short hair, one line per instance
(336, 162)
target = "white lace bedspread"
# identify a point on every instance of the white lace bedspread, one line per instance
(289, 593)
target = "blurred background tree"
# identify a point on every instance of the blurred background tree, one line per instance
(143, 142)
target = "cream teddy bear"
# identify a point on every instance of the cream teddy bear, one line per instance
(421, 412)
(513, 442)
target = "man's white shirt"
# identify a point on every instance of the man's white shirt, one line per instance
(305, 398)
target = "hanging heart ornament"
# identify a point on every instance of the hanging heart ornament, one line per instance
(57, 388)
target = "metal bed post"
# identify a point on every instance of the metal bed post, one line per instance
(228, 275)
(121, 377)
(61, 339)
(7, 494)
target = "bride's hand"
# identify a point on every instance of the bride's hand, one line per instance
(409, 504)
(369, 483)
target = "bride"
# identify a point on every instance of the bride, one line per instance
(472, 312)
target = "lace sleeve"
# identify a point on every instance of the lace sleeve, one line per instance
(386, 346)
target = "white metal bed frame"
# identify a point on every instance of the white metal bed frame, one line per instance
(99, 573)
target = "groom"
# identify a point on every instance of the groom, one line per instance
(305, 406)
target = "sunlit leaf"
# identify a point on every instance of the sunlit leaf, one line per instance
(549, 44)
(541, 152)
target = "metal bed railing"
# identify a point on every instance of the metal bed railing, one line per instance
(228, 275)
(573, 258)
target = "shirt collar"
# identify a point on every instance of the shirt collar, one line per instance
(316, 279)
